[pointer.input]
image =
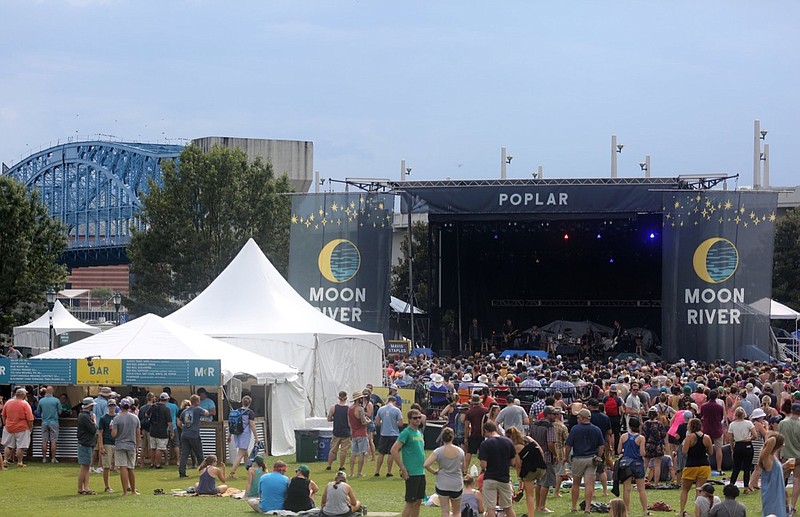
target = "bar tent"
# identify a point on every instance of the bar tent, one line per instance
(152, 337)
(36, 334)
(251, 306)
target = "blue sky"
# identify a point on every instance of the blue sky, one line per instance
(443, 85)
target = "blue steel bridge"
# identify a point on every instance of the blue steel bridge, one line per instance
(95, 188)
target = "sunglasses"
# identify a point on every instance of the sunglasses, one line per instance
(416, 417)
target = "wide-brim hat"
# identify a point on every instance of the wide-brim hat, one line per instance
(357, 395)
(105, 391)
(483, 379)
(437, 378)
(467, 378)
(88, 402)
(757, 413)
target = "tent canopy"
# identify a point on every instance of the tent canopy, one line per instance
(250, 305)
(398, 305)
(151, 337)
(36, 334)
(775, 310)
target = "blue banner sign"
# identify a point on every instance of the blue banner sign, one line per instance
(33, 371)
(174, 372)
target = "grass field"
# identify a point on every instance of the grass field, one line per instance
(51, 490)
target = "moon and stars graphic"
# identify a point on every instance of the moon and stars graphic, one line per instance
(715, 260)
(339, 261)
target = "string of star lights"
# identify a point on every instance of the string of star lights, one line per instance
(694, 209)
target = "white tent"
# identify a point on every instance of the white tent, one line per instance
(250, 305)
(775, 310)
(152, 337)
(36, 334)
(398, 305)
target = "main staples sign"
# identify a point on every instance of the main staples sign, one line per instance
(717, 262)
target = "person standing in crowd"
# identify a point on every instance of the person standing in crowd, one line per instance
(87, 439)
(18, 418)
(144, 419)
(634, 406)
(513, 415)
(105, 442)
(160, 430)
(242, 440)
(761, 426)
(730, 507)
(586, 442)
(125, 430)
(741, 434)
(100, 410)
(49, 408)
(697, 447)
(773, 491)
(632, 448)
(272, 487)
(411, 463)
(473, 433)
(449, 478)
(189, 422)
(13, 353)
(475, 335)
(390, 419)
(370, 411)
(173, 443)
(341, 431)
(790, 429)
(301, 491)
(613, 409)
(338, 499)
(359, 443)
(497, 454)
(655, 435)
(712, 413)
(207, 404)
(544, 433)
(603, 422)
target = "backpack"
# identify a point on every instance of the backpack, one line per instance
(468, 511)
(612, 405)
(532, 460)
(235, 421)
(147, 417)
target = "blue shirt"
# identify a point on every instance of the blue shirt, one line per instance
(173, 412)
(48, 407)
(389, 415)
(273, 488)
(208, 405)
(585, 439)
(100, 408)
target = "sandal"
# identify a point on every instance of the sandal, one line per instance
(87, 492)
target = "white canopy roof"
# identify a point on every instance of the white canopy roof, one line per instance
(152, 337)
(36, 333)
(402, 307)
(72, 293)
(775, 310)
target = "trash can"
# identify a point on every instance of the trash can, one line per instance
(432, 432)
(324, 445)
(306, 444)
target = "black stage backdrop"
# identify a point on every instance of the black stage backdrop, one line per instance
(340, 253)
(717, 261)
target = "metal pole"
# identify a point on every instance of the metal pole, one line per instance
(410, 269)
(50, 335)
(613, 156)
(502, 163)
(402, 170)
(316, 182)
(647, 172)
(766, 165)
(756, 154)
(540, 172)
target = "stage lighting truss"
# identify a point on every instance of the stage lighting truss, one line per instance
(575, 303)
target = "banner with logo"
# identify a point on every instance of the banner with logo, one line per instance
(717, 264)
(340, 255)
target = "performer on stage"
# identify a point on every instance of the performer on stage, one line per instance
(475, 335)
(535, 338)
(509, 333)
(452, 338)
(617, 333)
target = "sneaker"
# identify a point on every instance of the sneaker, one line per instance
(108, 490)
(54, 460)
(44, 460)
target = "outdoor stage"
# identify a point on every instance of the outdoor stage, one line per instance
(666, 254)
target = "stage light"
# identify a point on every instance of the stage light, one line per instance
(611, 260)
(566, 236)
(652, 235)
(599, 236)
(496, 236)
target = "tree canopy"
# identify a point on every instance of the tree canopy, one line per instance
(209, 205)
(31, 241)
(420, 266)
(786, 270)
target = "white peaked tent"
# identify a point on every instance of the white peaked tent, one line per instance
(250, 305)
(152, 337)
(775, 310)
(36, 334)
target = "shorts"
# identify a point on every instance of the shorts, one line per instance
(673, 440)
(385, 444)
(496, 493)
(637, 469)
(534, 475)
(370, 428)
(359, 445)
(20, 440)
(693, 473)
(158, 444)
(680, 460)
(549, 478)
(85, 455)
(340, 442)
(108, 457)
(473, 444)
(718, 442)
(125, 459)
(449, 493)
(415, 489)
(581, 466)
(49, 433)
(146, 441)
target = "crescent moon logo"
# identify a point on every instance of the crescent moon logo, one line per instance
(715, 260)
(339, 261)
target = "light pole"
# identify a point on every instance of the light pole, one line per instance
(117, 301)
(758, 135)
(50, 295)
(615, 150)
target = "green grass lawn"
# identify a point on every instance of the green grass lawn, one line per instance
(51, 490)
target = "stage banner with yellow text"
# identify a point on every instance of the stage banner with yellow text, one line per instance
(340, 255)
(717, 270)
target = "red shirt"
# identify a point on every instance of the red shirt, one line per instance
(17, 415)
(711, 414)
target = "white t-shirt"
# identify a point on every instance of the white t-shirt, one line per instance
(741, 430)
(702, 503)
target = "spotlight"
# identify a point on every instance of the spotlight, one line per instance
(611, 260)
(652, 235)
(495, 236)
(599, 236)
(566, 236)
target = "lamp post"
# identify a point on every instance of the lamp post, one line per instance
(50, 295)
(117, 301)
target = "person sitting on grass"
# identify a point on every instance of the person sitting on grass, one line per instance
(301, 491)
(254, 473)
(210, 473)
(272, 487)
(471, 499)
(338, 499)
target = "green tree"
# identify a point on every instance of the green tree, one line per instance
(786, 269)
(208, 207)
(420, 266)
(31, 241)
